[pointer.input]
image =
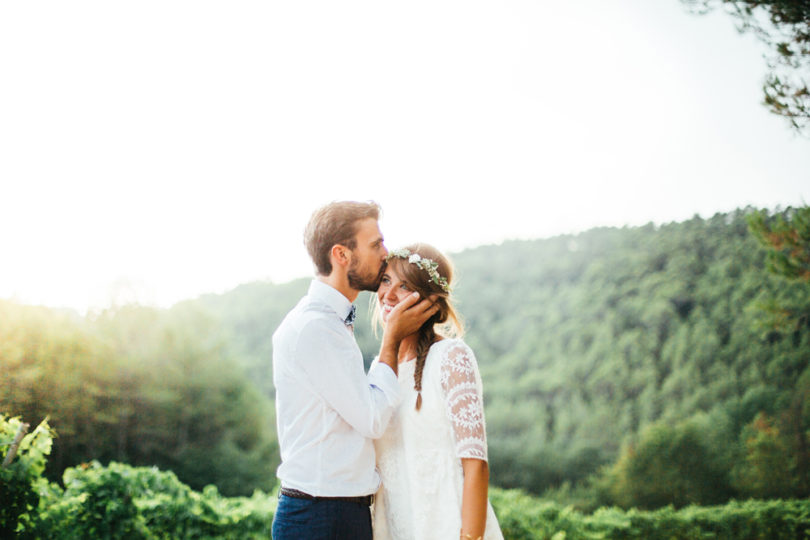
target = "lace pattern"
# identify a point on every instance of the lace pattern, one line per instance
(461, 384)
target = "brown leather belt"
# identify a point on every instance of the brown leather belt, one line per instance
(366, 500)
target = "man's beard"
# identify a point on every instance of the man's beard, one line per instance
(364, 283)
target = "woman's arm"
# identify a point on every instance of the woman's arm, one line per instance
(474, 498)
(465, 405)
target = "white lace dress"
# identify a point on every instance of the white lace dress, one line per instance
(419, 456)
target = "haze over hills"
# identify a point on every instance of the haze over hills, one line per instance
(595, 349)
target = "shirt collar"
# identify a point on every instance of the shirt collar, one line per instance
(330, 296)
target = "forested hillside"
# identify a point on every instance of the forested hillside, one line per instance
(595, 343)
(618, 341)
(638, 366)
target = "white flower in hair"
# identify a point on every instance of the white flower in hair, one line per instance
(402, 253)
(415, 258)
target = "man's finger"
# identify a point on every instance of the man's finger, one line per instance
(407, 303)
(425, 305)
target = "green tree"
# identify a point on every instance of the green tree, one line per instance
(669, 465)
(785, 237)
(191, 408)
(141, 385)
(784, 25)
(21, 474)
(766, 470)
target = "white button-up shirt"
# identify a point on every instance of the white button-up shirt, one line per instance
(327, 409)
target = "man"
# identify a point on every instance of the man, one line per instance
(328, 409)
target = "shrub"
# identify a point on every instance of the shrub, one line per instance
(526, 518)
(21, 480)
(120, 501)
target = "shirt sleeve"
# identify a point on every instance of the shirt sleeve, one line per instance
(333, 367)
(461, 384)
(381, 376)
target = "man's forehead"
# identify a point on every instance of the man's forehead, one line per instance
(369, 229)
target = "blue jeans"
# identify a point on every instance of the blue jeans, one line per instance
(303, 519)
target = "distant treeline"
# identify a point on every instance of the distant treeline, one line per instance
(638, 366)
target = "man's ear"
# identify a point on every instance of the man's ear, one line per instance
(340, 255)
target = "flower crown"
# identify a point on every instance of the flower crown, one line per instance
(428, 265)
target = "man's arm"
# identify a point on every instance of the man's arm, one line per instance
(332, 367)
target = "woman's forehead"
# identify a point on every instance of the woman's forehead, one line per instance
(394, 272)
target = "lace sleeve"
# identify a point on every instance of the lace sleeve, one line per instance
(461, 384)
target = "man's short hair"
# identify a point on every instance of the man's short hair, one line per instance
(335, 223)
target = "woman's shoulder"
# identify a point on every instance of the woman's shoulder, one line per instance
(444, 343)
(455, 365)
(452, 350)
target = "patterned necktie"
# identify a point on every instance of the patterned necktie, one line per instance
(349, 320)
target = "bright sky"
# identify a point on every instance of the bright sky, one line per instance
(157, 150)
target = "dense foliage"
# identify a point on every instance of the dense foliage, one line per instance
(638, 367)
(526, 518)
(589, 343)
(142, 386)
(117, 501)
(21, 473)
(120, 501)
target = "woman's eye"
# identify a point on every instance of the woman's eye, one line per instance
(405, 287)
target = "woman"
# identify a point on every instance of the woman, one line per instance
(433, 456)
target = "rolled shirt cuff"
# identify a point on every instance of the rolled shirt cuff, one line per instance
(383, 377)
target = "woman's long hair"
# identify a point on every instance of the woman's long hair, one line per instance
(446, 322)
